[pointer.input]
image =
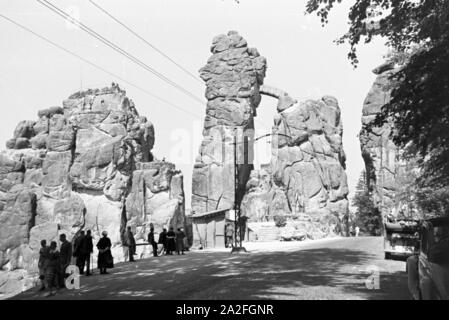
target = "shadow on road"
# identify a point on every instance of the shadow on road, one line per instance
(319, 273)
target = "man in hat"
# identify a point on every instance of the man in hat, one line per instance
(151, 241)
(65, 257)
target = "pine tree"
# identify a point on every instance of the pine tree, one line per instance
(368, 217)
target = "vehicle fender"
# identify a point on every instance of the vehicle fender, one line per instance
(413, 276)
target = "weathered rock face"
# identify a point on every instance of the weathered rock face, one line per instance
(157, 189)
(387, 173)
(233, 75)
(82, 167)
(306, 179)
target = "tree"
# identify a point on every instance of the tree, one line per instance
(368, 217)
(419, 106)
(433, 202)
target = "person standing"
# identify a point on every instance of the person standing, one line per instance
(105, 259)
(86, 249)
(351, 231)
(130, 243)
(163, 240)
(180, 235)
(52, 268)
(357, 231)
(229, 232)
(171, 242)
(42, 264)
(65, 257)
(77, 252)
(152, 242)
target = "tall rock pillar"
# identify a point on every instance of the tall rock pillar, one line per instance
(390, 176)
(233, 76)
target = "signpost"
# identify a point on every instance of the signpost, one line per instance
(239, 225)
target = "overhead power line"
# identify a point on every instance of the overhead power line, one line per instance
(97, 66)
(145, 41)
(117, 48)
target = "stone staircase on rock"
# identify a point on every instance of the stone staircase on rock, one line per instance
(264, 231)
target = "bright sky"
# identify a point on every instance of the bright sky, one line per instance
(302, 59)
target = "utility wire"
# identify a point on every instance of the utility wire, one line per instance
(97, 66)
(145, 41)
(115, 47)
(96, 35)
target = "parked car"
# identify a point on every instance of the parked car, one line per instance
(401, 239)
(428, 271)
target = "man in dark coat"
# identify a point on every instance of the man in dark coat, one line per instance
(171, 241)
(65, 257)
(163, 239)
(152, 242)
(77, 253)
(42, 264)
(86, 249)
(130, 243)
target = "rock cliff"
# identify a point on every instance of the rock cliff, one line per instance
(85, 165)
(388, 175)
(233, 76)
(305, 181)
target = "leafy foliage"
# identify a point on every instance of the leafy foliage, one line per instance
(368, 216)
(402, 22)
(433, 202)
(419, 105)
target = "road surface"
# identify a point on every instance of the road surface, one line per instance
(323, 269)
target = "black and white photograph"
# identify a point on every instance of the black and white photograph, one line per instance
(224, 155)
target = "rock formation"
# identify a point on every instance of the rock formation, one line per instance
(233, 76)
(387, 173)
(86, 165)
(306, 178)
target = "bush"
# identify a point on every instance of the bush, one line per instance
(280, 221)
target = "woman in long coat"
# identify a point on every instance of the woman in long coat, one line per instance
(105, 259)
(52, 268)
(180, 235)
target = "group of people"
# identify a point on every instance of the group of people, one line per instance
(354, 231)
(169, 241)
(53, 263)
